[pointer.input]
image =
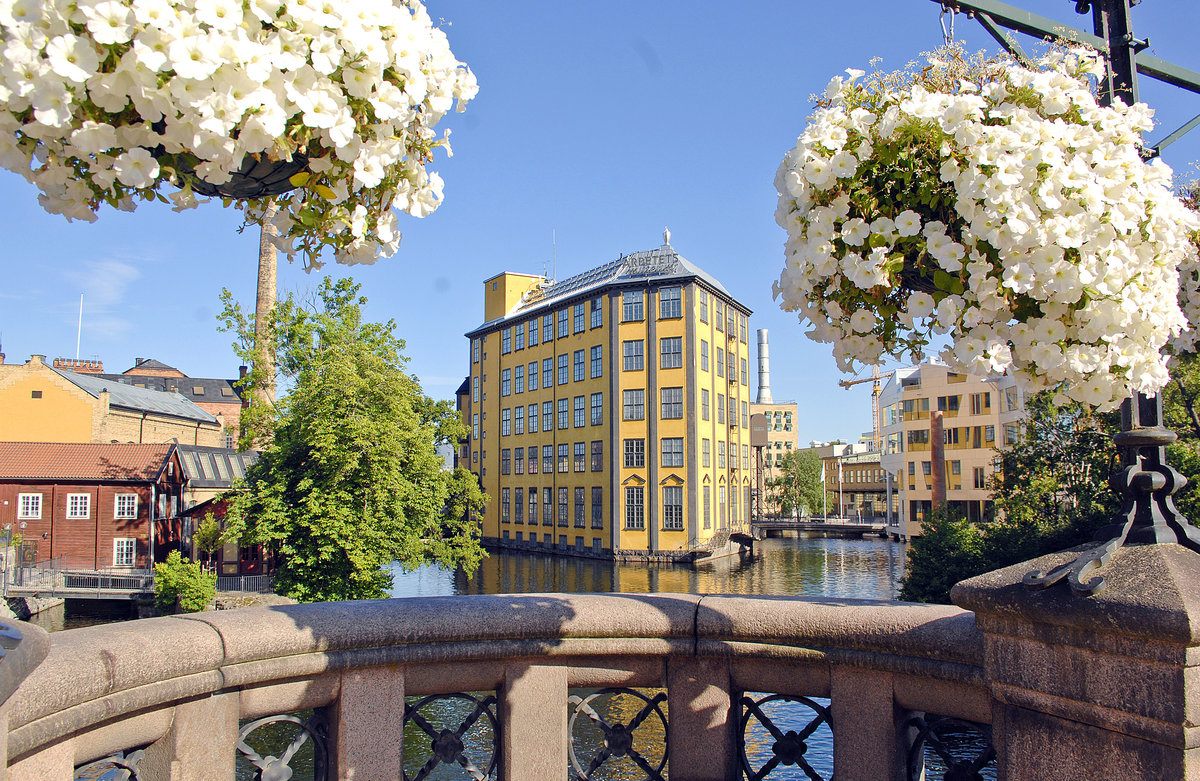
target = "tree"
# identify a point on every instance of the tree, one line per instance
(948, 550)
(349, 479)
(208, 536)
(798, 486)
(182, 586)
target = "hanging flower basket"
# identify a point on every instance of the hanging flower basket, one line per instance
(259, 177)
(329, 108)
(992, 207)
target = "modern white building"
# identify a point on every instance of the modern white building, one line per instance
(978, 417)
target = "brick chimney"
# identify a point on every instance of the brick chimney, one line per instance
(79, 366)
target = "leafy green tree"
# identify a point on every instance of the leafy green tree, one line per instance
(348, 480)
(182, 586)
(948, 550)
(797, 488)
(208, 536)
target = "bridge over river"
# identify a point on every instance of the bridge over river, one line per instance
(832, 527)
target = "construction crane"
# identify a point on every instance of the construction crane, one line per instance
(876, 389)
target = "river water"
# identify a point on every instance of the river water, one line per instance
(811, 567)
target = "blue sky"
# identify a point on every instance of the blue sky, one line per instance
(596, 124)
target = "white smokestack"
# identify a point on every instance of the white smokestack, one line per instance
(764, 370)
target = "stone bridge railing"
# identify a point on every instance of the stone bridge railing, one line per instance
(1063, 694)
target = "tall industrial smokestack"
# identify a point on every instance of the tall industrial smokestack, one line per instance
(764, 370)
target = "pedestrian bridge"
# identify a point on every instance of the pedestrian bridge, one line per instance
(834, 527)
(1049, 684)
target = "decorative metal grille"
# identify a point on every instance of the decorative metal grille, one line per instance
(790, 746)
(453, 747)
(119, 767)
(616, 739)
(962, 748)
(297, 733)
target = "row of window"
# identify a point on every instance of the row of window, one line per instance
(979, 478)
(726, 319)
(574, 412)
(513, 503)
(726, 363)
(79, 506)
(513, 460)
(576, 319)
(574, 367)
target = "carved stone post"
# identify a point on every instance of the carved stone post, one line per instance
(1106, 686)
(701, 741)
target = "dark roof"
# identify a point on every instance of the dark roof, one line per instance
(214, 467)
(138, 399)
(151, 364)
(656, 265)
(83, 461)
(191, 388)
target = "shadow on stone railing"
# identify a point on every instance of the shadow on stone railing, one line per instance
(638, 686)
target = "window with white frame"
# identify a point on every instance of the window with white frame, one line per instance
(79, 506)
(29, 507)
(124, 551)
(126, 506)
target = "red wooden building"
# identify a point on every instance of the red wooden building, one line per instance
(92, 506)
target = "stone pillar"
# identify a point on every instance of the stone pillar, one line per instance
(866, 739)
(201, 743)
(367, 724)
(55, 763)
(533, 715)
(700, 713)
(1106, 686)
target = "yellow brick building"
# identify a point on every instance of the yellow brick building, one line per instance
(39, 403)
(609, 412)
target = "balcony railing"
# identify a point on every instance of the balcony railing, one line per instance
(705, 687)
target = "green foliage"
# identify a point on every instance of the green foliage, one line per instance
(948, 550)
(182, 586)
(797, 488)
(1051, 493)
(208, 537)
(348, 480)
(1181, 414)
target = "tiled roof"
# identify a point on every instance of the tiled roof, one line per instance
(214, 467)
(191, 388)
(139, 399)
(75, 461)
(151, 364)
(656, 265)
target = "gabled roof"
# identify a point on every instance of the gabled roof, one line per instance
(75, 461)
(650, 266)
(152, 365)
(214, 467)
(137, 399)
(192, 388)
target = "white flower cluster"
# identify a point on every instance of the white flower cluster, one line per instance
(103, 101)
(1010, 214)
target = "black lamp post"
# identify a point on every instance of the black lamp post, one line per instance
(1147, 482)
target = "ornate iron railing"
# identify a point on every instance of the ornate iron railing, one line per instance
(666, 685)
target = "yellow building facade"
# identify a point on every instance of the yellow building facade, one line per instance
(609, 412)
(39, 403)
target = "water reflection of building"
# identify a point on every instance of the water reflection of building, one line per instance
(609, 412)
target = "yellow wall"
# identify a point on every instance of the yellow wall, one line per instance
(502, 292)
(62, 414)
